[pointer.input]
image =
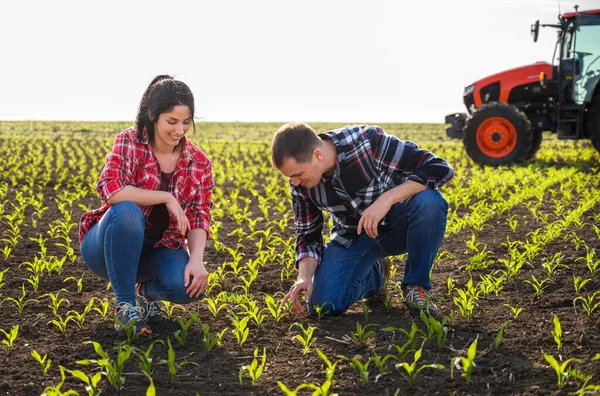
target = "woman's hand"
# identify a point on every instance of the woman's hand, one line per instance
(178, 214)
(195, 277)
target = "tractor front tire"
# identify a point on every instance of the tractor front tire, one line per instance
(594, 124)
(498, 134)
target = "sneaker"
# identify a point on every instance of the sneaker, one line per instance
(129, 313)
(417, 298)
(385, 264)
(151, 308)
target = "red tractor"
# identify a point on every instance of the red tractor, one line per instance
(509, 111)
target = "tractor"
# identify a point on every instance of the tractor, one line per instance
(508, 111)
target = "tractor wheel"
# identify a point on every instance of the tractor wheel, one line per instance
(537, 143)
(594, 125)
(498, 134)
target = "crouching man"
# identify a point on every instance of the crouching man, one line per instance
(382, 196)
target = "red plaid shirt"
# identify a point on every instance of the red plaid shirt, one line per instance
(132, 163)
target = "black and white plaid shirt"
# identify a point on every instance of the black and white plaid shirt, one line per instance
(369, 163)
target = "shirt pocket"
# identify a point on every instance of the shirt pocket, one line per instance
(185, 190)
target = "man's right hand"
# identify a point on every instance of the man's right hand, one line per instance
(306, 269)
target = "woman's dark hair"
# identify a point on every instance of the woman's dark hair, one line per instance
(163, 93)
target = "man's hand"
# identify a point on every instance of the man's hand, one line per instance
(306, 269)
(294, 293)
(195, 269)
(372, 216)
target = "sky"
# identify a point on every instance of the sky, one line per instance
(264, 60)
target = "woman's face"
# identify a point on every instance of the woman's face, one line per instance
(171, 127)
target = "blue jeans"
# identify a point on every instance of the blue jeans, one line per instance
(115, 250)
(345, 275)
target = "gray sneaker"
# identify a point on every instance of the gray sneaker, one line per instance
(417, 299)
(128, 314)
(151, 308)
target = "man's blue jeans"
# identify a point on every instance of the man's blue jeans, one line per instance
(115, 250)
(345, 275)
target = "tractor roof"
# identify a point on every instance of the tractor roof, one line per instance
(570, 15)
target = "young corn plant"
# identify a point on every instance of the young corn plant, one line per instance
(210, 342)
(56, 301)
(412, 369)
(306, 338)
(363, 368)
(44, 362)
(103, 310)
(254, 369)
(579, 283)
(538, 286)
(588, 302)
(465, 364)
(90, 381)
(435, 329)
(561, 370)
(516, 310)
(20, 302)
(56, 390)
(170, 362)
(362, 334)
(275, 308)
(80, 317)
(181, 335)
(214, 307)
(557, 333)
(320, 310)
(241, 329)
(78, 281)
(10, 337)
(500, 334)
(113, 369)
(145, 361)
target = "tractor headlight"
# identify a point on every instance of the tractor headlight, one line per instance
(469, 90)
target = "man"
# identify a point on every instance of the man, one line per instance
(382, 195)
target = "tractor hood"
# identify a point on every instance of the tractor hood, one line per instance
(507, 80)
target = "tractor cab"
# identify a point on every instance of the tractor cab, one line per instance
(508, 111)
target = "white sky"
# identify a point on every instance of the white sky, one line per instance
(264, 60)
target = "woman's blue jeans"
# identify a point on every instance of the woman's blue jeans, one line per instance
(345, 275)
(115, 250)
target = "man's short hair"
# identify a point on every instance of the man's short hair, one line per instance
(296, 140)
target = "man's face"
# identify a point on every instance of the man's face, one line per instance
(307, 174)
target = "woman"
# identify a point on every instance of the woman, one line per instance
(156, 191)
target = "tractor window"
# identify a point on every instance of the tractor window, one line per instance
(587, 50)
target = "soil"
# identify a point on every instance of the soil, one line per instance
(516, 366)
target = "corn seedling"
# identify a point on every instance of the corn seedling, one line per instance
(380, 363)
(320, 310)
(241, 329)
(113, 369)
(307, 336)
(500, 334)
(274, 308)
(103, 310)
(91, 381)
(435, 329)
(254, 369)
(78, 281)
(538, 286)
(20, 302)
(44, 362)
(145, 361)
(363, 368)
(579, 283)
(557, 333)
(362, 335)
(253, 312)
(465, 364)
(55, 390)
(561, 371)
(170, 308)
(80, 317)
(516, 310)
(170, 362)
(210, 343)
(214, 307)
(182, 334)
(56, 301)
(588, 302)
(10, 336)
(412, 369)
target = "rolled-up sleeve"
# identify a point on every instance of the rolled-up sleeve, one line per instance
(308, 220)
(117, 170)
(407, 160)
(201, 204)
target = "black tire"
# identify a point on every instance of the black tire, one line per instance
(594, 124)
(537, 143)
(498, 134)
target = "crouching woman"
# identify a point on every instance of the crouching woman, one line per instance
(149, 235)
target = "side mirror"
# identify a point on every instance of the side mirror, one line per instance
(535, 30)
